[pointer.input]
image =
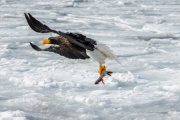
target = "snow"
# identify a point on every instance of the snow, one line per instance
(14, 115)
(45, 86)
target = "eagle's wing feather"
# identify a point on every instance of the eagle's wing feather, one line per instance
(36, 25)
(64, 52)
(75, 38)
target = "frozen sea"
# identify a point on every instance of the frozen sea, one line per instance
(144, 34)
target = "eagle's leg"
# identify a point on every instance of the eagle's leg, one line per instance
(101, 68)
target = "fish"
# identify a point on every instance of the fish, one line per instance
(103, 74)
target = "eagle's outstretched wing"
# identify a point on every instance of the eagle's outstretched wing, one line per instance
(75, 38)
(64, 52)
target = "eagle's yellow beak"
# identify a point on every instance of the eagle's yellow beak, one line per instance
(45, 41)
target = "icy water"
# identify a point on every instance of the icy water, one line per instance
(144, 34)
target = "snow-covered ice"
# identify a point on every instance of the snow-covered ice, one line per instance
(45, 86)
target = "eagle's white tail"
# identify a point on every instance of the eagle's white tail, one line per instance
(107, 52)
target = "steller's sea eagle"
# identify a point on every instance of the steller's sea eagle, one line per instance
(72, 45)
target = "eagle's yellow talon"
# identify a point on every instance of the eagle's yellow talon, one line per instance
(101, 68)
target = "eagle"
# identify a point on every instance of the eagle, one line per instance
(71, 45)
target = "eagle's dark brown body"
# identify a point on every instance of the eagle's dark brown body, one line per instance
(66, 45)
